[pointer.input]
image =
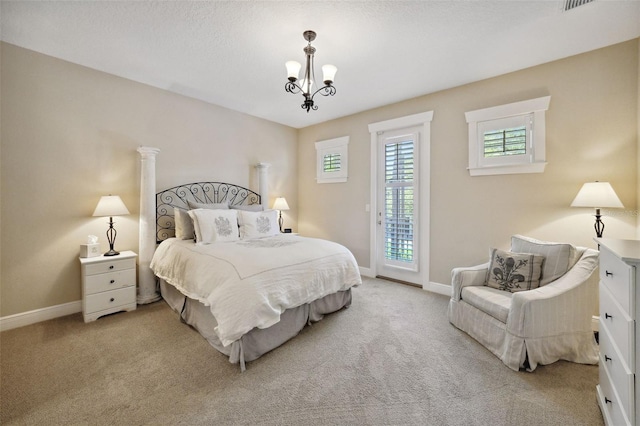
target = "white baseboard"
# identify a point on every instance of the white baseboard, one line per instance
(366, 272)
(438, 288)
(38, 315)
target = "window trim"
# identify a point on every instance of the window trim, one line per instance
(534, 162)
(338, 146)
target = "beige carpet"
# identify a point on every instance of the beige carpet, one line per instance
(390, 359)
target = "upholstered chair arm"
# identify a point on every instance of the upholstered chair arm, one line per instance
(466, 276)
(563, 306)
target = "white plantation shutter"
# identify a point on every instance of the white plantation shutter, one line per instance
(399, 217)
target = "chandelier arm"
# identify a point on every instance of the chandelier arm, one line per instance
(329, 90)
(292, 87)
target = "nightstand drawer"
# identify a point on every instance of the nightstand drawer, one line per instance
(110, 266)
(610, 403)
(621, 376)
(110, 299)
(619, 325)
(618, 277)
(111, 281)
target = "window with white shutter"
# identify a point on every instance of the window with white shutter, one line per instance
(399, 191)
(332, 160)
(508, 138)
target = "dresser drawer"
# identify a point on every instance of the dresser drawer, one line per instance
(618, 277)
(110, 266)
(610, 405)
(619, 326)
(618, 371)
(110, 281)
(110, 299)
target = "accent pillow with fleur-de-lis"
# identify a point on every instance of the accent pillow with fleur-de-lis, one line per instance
(212, 226)
(258, 224)
(514, 271)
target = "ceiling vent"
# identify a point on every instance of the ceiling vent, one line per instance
(572, 4)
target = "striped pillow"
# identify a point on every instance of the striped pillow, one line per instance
(557, 256)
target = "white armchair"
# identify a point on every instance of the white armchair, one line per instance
(538, 326)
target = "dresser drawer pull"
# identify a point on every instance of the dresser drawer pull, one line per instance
(607, 400)
(609, 274)
(112, 299)
(112, 281)
(606, 358)
(607, 316)
(111, 267)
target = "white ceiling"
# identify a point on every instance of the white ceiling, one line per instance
(232, 53)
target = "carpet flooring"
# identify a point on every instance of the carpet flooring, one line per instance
(392, 358)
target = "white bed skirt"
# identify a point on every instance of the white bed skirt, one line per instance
(256, 342)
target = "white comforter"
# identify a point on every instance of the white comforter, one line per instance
(249, 283)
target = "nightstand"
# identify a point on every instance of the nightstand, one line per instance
(108, 284)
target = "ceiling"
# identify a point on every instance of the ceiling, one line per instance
(232, 53)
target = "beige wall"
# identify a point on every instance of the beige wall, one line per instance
(592, 134)
(69, 135)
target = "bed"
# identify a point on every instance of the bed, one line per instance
(243, 308)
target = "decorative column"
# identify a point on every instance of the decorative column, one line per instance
(263, 183)
(147, 288)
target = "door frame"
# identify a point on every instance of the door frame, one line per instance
(422, 120)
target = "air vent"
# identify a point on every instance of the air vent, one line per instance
(572, 4)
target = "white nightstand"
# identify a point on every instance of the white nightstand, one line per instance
(108, 284)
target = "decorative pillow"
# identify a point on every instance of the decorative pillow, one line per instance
(258, 224)
(558, 256)
(249, 207)
(214, 206)
(184, 224)
(514, 271)
(212, 226)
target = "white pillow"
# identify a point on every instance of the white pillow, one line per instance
(184, 224)
(212, 226)
(258, 224)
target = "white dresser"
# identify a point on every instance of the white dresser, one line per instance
(618, 336)
(108, 284)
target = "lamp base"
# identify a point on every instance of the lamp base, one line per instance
(112, 253)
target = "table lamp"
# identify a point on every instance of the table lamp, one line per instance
(110, 205)
(280, 204)
(597, 195)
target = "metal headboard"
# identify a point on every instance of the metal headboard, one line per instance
(200, 192)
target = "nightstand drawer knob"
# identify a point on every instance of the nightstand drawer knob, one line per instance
(606, 358)
(110, 266)
(607, 400)
(607, 316)
(608, 274)
(112, 281)
(112, 299)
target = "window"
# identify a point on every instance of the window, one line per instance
(332, 158)
(508, 139)
(399, 200)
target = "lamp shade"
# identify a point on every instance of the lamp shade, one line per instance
(280, 204)
(110, 205)
(293, 68)
(329, 73)
(597, 195)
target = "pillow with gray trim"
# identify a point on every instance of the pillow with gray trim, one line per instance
(514, 271)
(557, 256)
(249, 207)
(211, 206)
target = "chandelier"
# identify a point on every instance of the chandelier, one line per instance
(305, 86)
